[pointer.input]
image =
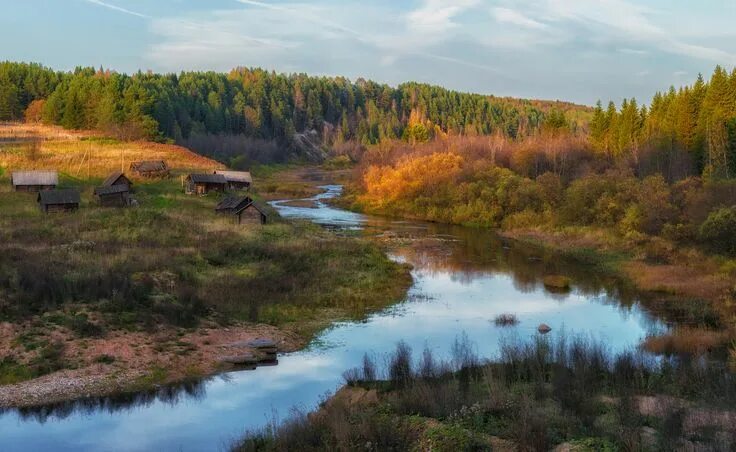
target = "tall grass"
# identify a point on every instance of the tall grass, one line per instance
(537, 394)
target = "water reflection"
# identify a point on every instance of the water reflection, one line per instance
(464, 278)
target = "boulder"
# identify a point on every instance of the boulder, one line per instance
(557, 283)
(544, 328)
(241, 360)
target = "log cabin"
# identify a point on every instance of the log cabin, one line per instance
(113, 196)
(243, 208)
(66, 200)
(201, 184)
(117, 178)
(34, 181)
(236, 180)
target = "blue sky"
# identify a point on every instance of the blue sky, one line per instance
(579, 50)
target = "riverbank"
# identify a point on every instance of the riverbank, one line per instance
(693, 291)
(122, 362)
(107, 300)
(561, 394)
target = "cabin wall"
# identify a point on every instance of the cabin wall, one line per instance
(33, 188)
(238, 185)
(250, 216)
(56, 208)
(114, 200)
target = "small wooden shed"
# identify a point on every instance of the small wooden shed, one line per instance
(66, 200)
(236, 180)
(254, 210)
(34, 181)
(201, 184)
(232, 204)
(113, 196)
(117, 178)
(150, 168)
(243, 208)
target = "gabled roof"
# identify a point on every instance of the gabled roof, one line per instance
(208, 179)
(256, 205)
(34, 178)
(111, 190)
(149, 166)
(112, 178)
(234, 203)
(65, 196)
(236, 176)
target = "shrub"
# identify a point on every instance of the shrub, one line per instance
(718, 232)
(506, 320)
(400, 372)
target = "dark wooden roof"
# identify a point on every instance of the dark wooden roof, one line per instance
(112, 178)
(208, 179)
(34, 178)
(149, 166)
(256, 205)
(236, 176)
(111, 190)
(234, 203)
(65, 196)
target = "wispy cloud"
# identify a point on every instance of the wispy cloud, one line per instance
(436, 16)
(511, 16)
(481, 45)
(625, 21)
(118, 9)
(629, 51)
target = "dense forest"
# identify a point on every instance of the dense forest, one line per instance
(692, 129)
(258, 105)
(665, 171)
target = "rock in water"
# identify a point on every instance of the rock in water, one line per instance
(544, 328)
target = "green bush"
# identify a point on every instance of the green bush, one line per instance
(718, 232)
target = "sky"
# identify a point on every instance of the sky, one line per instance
(575, 50)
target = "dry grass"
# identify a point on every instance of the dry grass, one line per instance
(685, 340)
(81, 154)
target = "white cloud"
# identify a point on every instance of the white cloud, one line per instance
(510, 16)
(436, 16)
(492, 46)
(624, 21)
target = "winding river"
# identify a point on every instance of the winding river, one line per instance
(463, 279)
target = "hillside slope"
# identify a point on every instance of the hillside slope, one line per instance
(81, 154)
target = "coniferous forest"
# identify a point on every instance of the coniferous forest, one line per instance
(256, 104)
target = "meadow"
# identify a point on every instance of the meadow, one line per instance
(169, 265)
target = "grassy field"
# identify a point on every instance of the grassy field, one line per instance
(70, 282)
(86, 155)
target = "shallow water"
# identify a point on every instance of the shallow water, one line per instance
(463, 277)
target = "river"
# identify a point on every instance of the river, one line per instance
(463, 279)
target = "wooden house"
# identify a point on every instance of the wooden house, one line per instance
(243, 208)
(150, 168)
(201, 184)
(236, 180)
(113, 196)
(117, 178)
(66, 200)
(34, 181)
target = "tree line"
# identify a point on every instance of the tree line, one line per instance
(687, 130)
(257, 104)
